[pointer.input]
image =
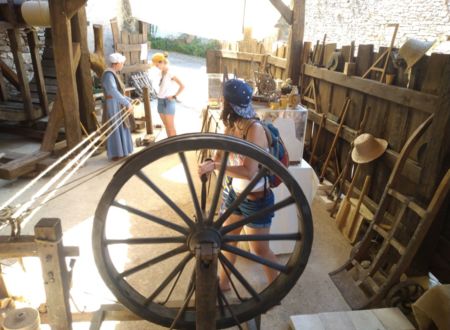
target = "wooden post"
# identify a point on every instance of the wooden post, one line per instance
(206, 285)
(3, 91)
(296, 40)
(437, 151)
(147, 110)
(55, 122)
(37, 67)
(16, 49)
(48, 234)
(84, 80)
(97, 58)
(64, 64)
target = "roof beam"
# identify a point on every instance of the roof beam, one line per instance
(284, 10)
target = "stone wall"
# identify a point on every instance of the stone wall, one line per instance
(364, 21)
(7, 57)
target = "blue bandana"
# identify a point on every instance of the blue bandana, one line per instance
(239, 95)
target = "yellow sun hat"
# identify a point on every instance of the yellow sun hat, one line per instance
(158, 57)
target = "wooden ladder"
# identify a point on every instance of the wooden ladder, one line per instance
(374, 267)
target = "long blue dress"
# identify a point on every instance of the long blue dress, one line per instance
(119, 143)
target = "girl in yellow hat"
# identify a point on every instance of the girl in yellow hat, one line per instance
(169, 88)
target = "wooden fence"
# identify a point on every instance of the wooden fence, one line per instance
(247, 56)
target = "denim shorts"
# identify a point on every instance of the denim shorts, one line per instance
(166, 107)
(249, 207)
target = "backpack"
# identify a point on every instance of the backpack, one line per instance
(276, 148)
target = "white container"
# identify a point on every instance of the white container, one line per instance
(292, 126)
(22, 319)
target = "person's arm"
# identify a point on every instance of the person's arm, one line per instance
(110, 87)
(180, 88)
(257, 135)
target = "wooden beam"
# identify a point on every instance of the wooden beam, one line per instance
(437, 152)
(296, 41)
(16, 49)
(64, 64)
(403, 96)
(97, 58)
(9, 74)
(3, 88)
(48, 233)
(76, 55)
(242, 56)
(21, 166)
(412, 169)
(284, 10)
(73, 6)
(136, 67)
(25, 246)
(55, 122)
(130, 47)
(84, 80)
(37, 67)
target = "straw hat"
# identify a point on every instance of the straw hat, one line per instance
(367, 148)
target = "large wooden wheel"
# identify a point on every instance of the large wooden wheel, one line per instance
(160, 284)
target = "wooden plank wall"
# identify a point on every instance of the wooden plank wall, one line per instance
(394, 112)
(247, 56)
(129, 44)
(245, 64)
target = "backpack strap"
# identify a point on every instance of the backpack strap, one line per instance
(244, 136)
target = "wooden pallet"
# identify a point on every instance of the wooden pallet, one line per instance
(387, 249)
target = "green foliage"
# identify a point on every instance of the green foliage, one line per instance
(196, 46)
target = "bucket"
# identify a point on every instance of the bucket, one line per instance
(22, 319)
(36, 13)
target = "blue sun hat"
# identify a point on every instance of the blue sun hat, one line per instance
(239, 94)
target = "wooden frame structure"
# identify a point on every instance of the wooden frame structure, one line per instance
(73, 102)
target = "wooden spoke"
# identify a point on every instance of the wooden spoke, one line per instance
(268, 237)
(227, 305)
(198, 210)
(254, 257)
(165, 198)
(169, 278)
(183, 308)
(225, 262)
(146, 240)
(284, 203)
(153, 261)
(218, 189)
(240, 198)
(152, 218)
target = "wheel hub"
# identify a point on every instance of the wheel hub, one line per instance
(202, 236)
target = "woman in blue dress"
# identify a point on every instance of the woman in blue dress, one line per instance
(119, 143)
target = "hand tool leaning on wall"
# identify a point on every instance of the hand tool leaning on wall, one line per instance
(19, 215)
(340, 181)
(336, 137)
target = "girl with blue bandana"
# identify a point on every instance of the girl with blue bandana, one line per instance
(240, 121)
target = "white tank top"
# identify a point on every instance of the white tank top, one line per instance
(240, 184)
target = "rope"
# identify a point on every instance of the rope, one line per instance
(81, 162)
(21, 214)
(56, 163)
(76, 163)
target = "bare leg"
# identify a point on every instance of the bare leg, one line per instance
(262, 249)
(168, 121)
(224, 282)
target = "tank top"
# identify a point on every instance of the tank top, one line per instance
(240, 184)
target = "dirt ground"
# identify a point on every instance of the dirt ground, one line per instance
(313, 293)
